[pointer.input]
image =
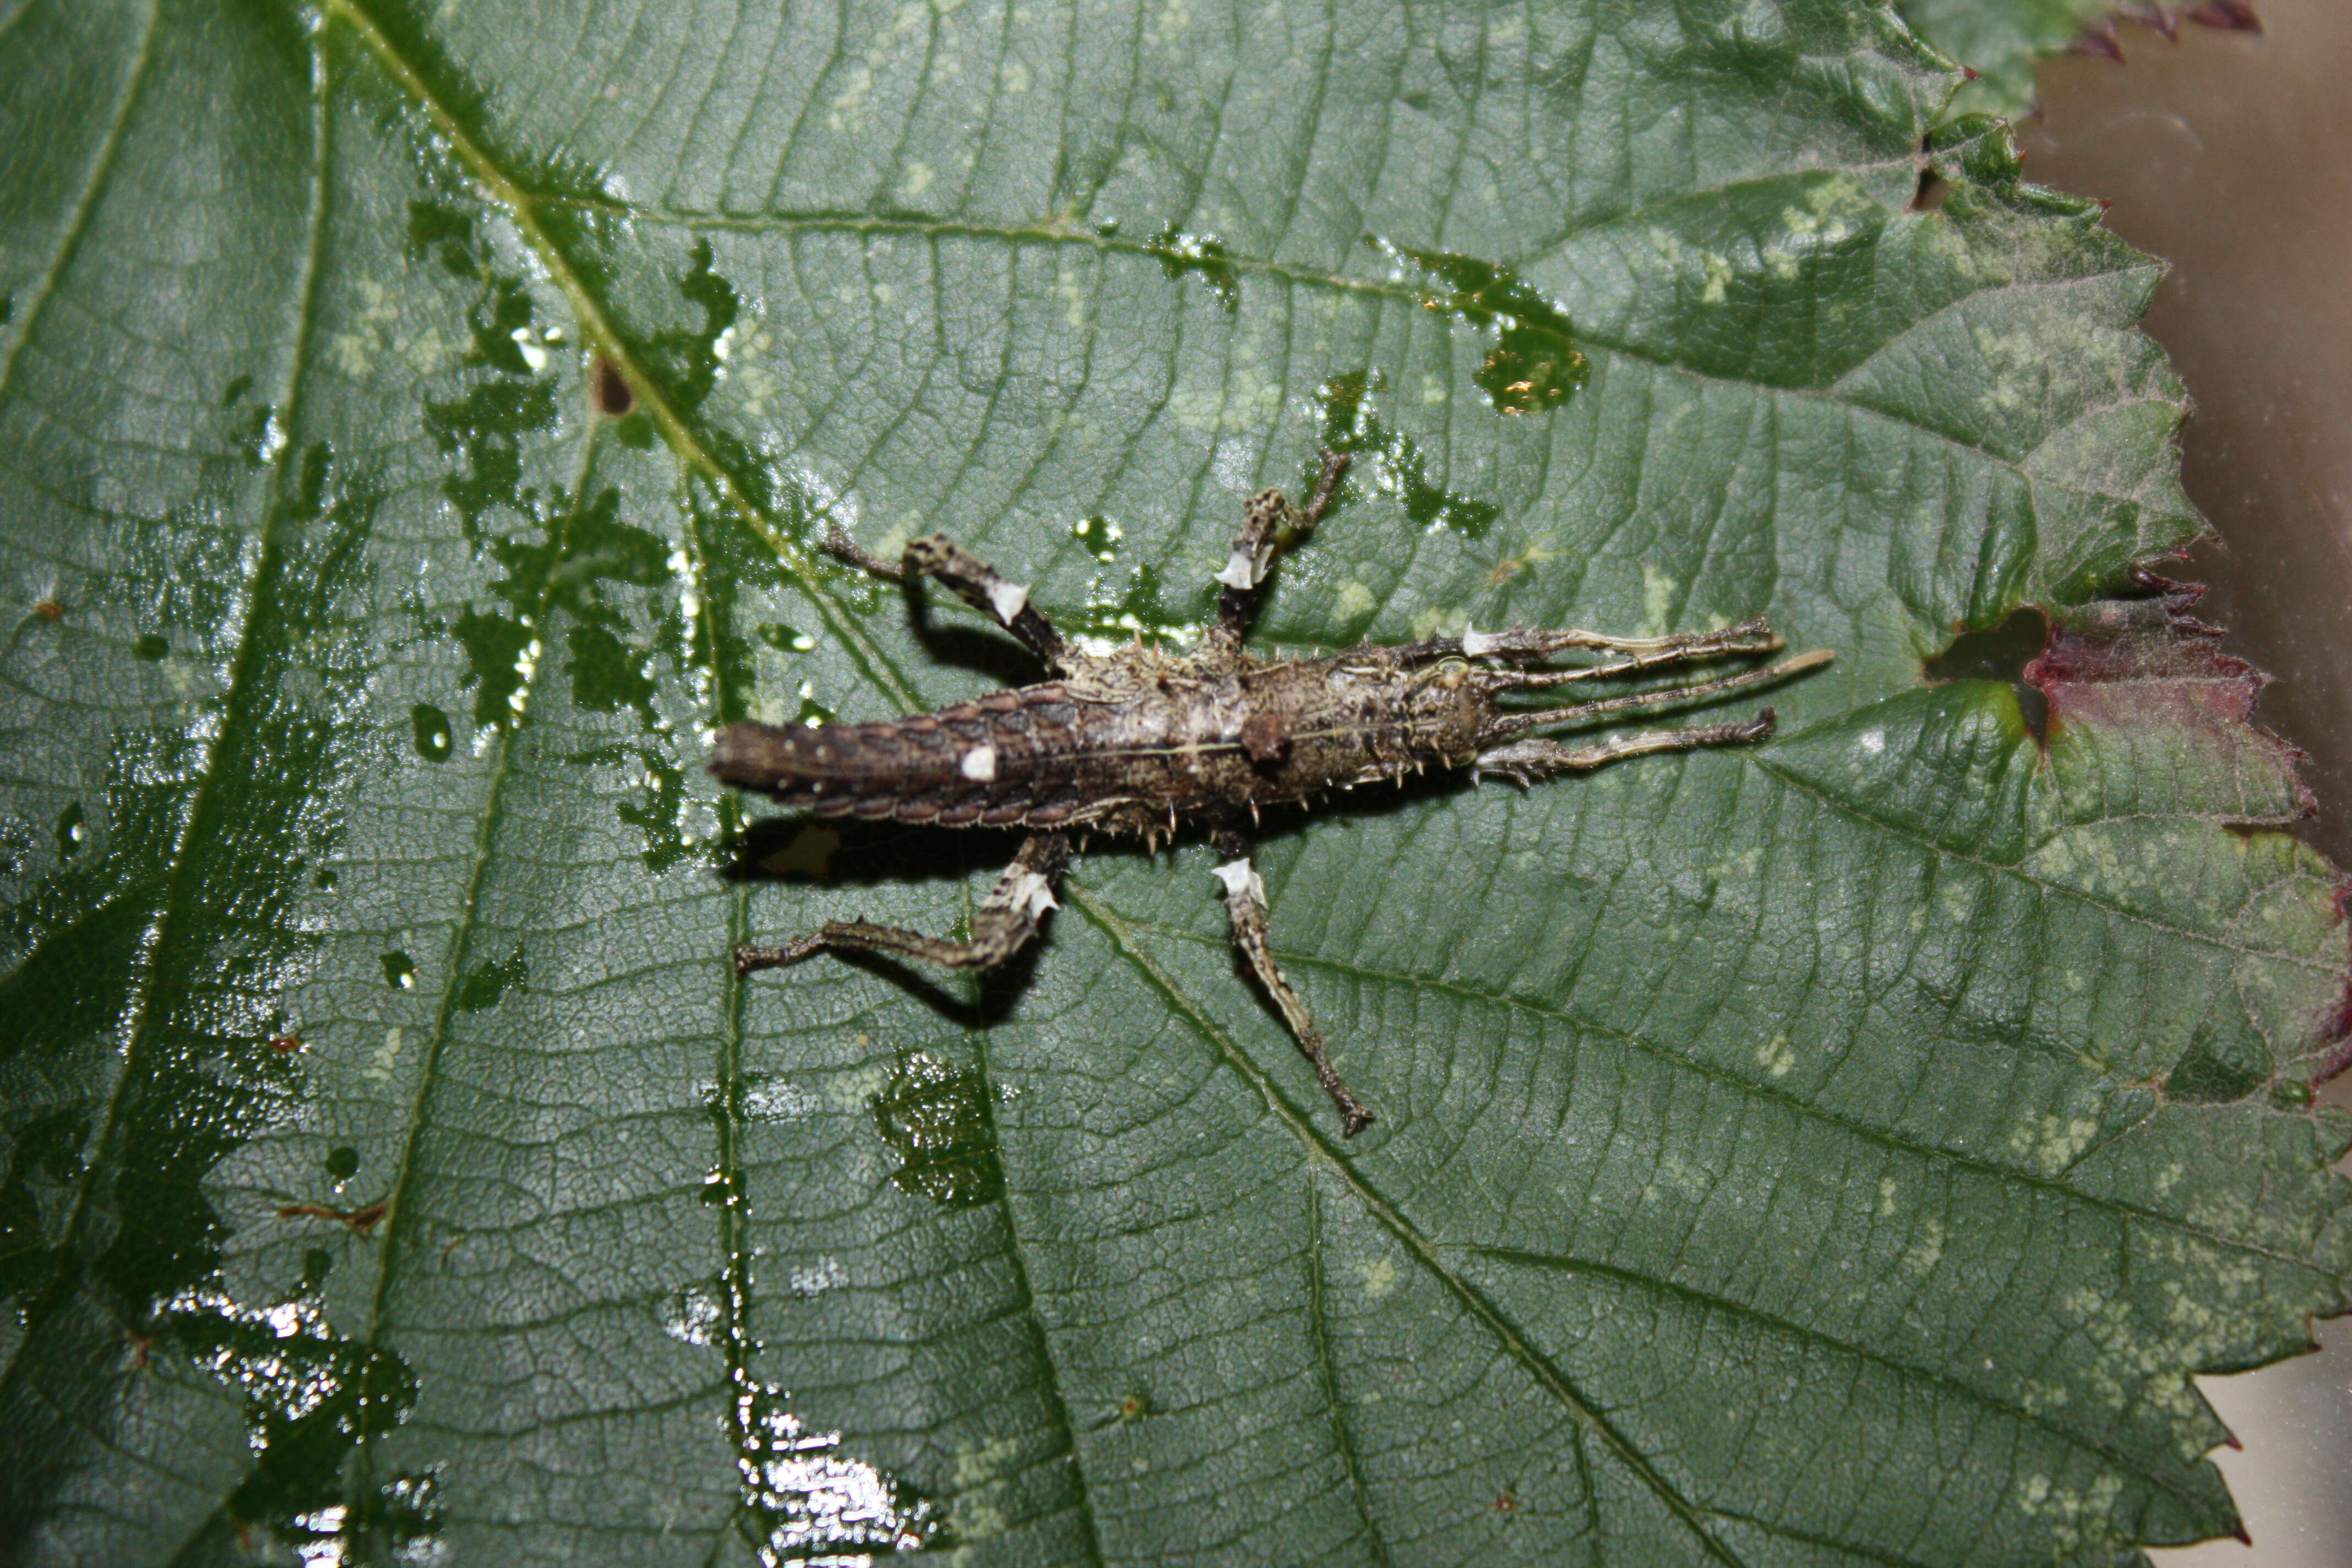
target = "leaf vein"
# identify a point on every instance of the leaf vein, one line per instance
(1475, 1302)
(1730, 1306)
(101, 174)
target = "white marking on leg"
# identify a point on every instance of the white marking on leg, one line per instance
(1033, 895)
(1241, 881)
(979, 764)
(1243, 570)
(1477, 643)
(1006, 598)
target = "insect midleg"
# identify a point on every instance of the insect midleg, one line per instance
(980, 585)
(1006, 923)
(1246, 903)
(1265, 515)
(1529, 760)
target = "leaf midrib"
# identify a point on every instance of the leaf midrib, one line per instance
(879, 668)
(1327, 1367)
(598, 333)
(458, 948)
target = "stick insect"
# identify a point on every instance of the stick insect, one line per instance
(1143, 743)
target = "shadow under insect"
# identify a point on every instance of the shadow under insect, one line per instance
(833, 853)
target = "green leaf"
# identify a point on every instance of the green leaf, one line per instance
(414, 420)
(2001, 39)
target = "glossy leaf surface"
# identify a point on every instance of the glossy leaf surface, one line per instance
(414, 423)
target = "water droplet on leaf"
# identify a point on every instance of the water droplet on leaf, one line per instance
(432, 727)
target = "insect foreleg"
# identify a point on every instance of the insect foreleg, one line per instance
(1246, 903)
(1525, 647)
(980, 585)
(1529, 760)
(1520, 722)
(1267, 513)
(1006, 922)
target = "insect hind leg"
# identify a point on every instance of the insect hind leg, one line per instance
(1006, 922)
(1246, 903)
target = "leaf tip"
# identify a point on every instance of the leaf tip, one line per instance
(2098, 37)
(2231, 15)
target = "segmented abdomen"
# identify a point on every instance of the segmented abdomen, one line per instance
(1010, 759)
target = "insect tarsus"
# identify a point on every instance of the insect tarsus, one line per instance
(1141, 743)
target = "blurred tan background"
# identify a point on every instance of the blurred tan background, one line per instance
(2229, 155)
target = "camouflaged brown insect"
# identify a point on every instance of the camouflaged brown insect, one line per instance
(1145, 744)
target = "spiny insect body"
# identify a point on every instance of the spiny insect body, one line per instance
(1144, 744)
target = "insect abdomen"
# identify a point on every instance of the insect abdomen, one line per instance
(987, 763)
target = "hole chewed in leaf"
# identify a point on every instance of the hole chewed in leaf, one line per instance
(2002, 653)
(1534, 363)
(1400, 468)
